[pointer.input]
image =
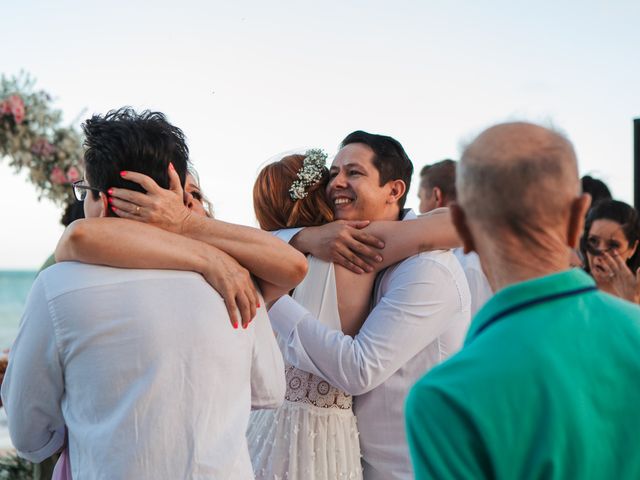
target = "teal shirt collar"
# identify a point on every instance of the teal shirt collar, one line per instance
(529, 292)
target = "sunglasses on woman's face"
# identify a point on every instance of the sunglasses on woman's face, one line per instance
(593, 247)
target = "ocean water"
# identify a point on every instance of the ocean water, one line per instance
(14, 289)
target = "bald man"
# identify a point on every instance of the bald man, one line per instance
(546, 385)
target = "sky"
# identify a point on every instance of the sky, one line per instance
(249, 80)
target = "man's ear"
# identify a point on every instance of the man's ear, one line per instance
(459, 220)
(104, 204)
(397, 190)
(577, 214)
(439, 197)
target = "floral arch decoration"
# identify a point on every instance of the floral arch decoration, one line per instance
(33, 138)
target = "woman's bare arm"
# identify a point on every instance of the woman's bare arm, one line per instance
(124, 243)
(268, 258)
(262, 253)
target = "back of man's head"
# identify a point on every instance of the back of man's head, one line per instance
(139, 142)
(441, 175)
(390, 159)
(520, 178)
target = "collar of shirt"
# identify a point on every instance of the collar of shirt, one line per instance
(408, 214)
(532, 292)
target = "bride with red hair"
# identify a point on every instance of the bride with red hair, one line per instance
(314, 434)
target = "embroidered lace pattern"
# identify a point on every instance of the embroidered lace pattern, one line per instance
(304, 387)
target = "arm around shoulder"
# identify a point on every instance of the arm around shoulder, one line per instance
(268, 258)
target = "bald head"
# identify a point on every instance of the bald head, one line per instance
(518, 176)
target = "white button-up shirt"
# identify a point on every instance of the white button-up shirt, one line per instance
(145, 371)
(479, 286)
(420, 317)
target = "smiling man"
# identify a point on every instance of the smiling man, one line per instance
(421, 308)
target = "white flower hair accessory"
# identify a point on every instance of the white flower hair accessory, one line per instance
(313, 168)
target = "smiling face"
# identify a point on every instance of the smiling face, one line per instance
(607, 236)
(354, 190)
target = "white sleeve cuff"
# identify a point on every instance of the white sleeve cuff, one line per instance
(285, 314)
(55, 443)
(287, 234)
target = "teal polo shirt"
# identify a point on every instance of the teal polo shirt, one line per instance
(547, 385)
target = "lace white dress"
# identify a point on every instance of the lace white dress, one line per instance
(313, 435)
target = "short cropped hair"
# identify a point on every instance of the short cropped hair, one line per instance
(141, 142)
(518, 175)
(442, 175)
(389, 158)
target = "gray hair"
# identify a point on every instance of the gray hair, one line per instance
(518, 176)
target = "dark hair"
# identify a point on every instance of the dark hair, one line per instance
(72, 212)
(621, 213)
(274, 207)
(389, 158)
(442, 175)
(140, 142)
(596, 188)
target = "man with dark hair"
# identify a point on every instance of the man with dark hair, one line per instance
(124, 140)
(438, 189)
(140, 371)
(546, 385)
(389, 158)
(420, 314)
(437, 185)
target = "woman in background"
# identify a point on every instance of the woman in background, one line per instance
(609, 246)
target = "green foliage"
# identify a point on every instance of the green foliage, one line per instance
(13, 467)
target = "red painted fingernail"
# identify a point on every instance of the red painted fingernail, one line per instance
(123, 173)
(245, 325)
(235, 325)
(258, 305)
(110, 191)
(110, 199)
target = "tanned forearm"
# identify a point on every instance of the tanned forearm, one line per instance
(407, 238)
(370, 246)
(265, 256)
(128, 244)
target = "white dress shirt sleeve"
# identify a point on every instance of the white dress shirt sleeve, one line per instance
(267, 367)
(480, 289)
(33, 385)
(420, 301)
(286, 234)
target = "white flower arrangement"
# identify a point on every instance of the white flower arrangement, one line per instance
(312, 171)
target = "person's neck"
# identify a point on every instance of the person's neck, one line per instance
(514, 261)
